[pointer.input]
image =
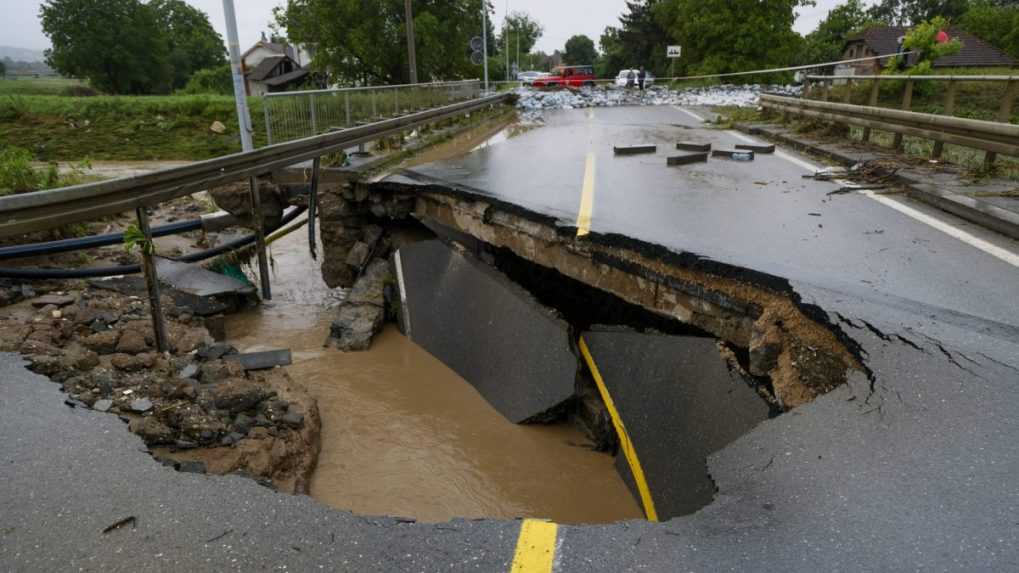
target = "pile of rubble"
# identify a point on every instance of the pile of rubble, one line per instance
(195, 406)
(531, 100)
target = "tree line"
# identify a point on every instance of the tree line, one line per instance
(129, 46)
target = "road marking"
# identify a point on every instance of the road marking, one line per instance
(968, 238)
(586, 197)
(946, 228)
(536, 547)
(690, 113)
(625, 443)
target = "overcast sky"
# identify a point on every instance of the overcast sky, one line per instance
(20, 27)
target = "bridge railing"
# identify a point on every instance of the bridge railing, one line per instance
(820, 90)
(295, 115)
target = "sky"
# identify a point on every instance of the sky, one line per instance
(20, 27)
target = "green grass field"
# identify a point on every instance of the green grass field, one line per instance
(37, 86)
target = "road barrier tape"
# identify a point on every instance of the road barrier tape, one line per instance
(625, 444)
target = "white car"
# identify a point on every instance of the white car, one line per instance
(528, 77)
(621, 80)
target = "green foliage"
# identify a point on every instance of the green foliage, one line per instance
(216, 81)
(16, 172)
(37, 86)
(134, 239)
(521, 27)
(3, 70)
(909, 12)
(995, 24)
(192, 42)
(580, 51)
(922, 40)
(356, 45)
(117, 44)
(825, 43)
(732, 35)
(639, 40)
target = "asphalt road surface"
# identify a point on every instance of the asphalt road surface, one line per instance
(913, 470)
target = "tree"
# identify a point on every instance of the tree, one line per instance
(996, 23)
(3, 70)
(732, 35)
(116, 44)
(361, 46)
(910, 12)
(580, 50)
(825, 43)
(922, 40)
(523, 29)
(192, 41)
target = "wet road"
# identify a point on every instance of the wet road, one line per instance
(760, 215)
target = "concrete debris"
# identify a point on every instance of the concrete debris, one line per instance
(53, 299)
(693, 146)
(362, 314)
(141, 405)
(686, 159)
(634, 149)
(263, 360)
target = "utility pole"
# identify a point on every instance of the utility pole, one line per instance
(505, 33)
(411, 53)
(240, 94)
(484, 38)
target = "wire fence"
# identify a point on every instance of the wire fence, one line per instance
(295, 115)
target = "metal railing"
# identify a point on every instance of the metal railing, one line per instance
(293, 115)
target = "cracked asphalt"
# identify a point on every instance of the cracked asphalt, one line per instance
(914, 469)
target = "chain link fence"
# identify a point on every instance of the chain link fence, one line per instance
(294, 115)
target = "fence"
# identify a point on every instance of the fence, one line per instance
(295, 115)
(929, 126)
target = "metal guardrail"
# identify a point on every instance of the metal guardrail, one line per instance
(989, 136)
(43, 210)
(295, 115)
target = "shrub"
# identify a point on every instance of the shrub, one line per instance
(16, 172)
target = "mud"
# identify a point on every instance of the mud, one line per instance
(403, 435)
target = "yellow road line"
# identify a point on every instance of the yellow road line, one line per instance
(586, 197)
(535, 547)
(624, 438)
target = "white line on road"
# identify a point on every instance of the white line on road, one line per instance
(943, 226)
(690, 113)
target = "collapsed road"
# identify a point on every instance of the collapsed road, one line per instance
(898, 454)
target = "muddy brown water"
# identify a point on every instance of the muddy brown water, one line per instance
(403, 435)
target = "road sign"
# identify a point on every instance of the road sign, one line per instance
(675, 51)
(477, 58)
(476, 43)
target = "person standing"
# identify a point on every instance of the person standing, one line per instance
(641, 77)
(630, 77)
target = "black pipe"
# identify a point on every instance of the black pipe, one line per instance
(40, 274)
(82, 243)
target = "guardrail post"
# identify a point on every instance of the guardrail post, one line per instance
(346, 106)
(875, 88)
(313, 206)
(848, 98)
(396, 102)
(375, 107)
(1004, 114)
(939, 146)
(314, 114)
(257, 221)
(152, 283)
(824, 90)
(268, 119)
(907, 102)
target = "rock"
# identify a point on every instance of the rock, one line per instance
(238, 394)
(128, 363)
(141, 405)
(355, 326)
(236, 200)
(370, 288)
(151, 430)
(293, 419)
(358, 255)
(372, 234)
(45, 365)
(216, 351)
(192, 467)
(103, 405)
(219, 370)
(765, 347)
(189, 371)
(243, 423)
(217, 127)
(132, 342)
(83, 360)
(102, 342)
(55, 300)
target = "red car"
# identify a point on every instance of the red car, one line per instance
(567, 76)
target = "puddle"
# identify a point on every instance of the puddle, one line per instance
(403, 435)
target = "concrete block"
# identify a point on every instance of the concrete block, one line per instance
(680, 403)
(634, 149)
(490, 331)
(687, 159)
(262, 360)
(757, 148)
(691, 146)
(733, 153)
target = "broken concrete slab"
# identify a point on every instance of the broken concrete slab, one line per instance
(492, 332)
(634, 149)
(686, 159)
(53, 299)
(197, 281)
(679, 402)
(756, 148)
(361, 315)
(262, 360)
(692, 146)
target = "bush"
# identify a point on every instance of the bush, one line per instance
(216, 81)
(16, 172)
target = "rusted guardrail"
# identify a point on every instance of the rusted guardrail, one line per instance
(821, 87)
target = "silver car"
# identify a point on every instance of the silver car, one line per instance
(621, 79)
(528, 77)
